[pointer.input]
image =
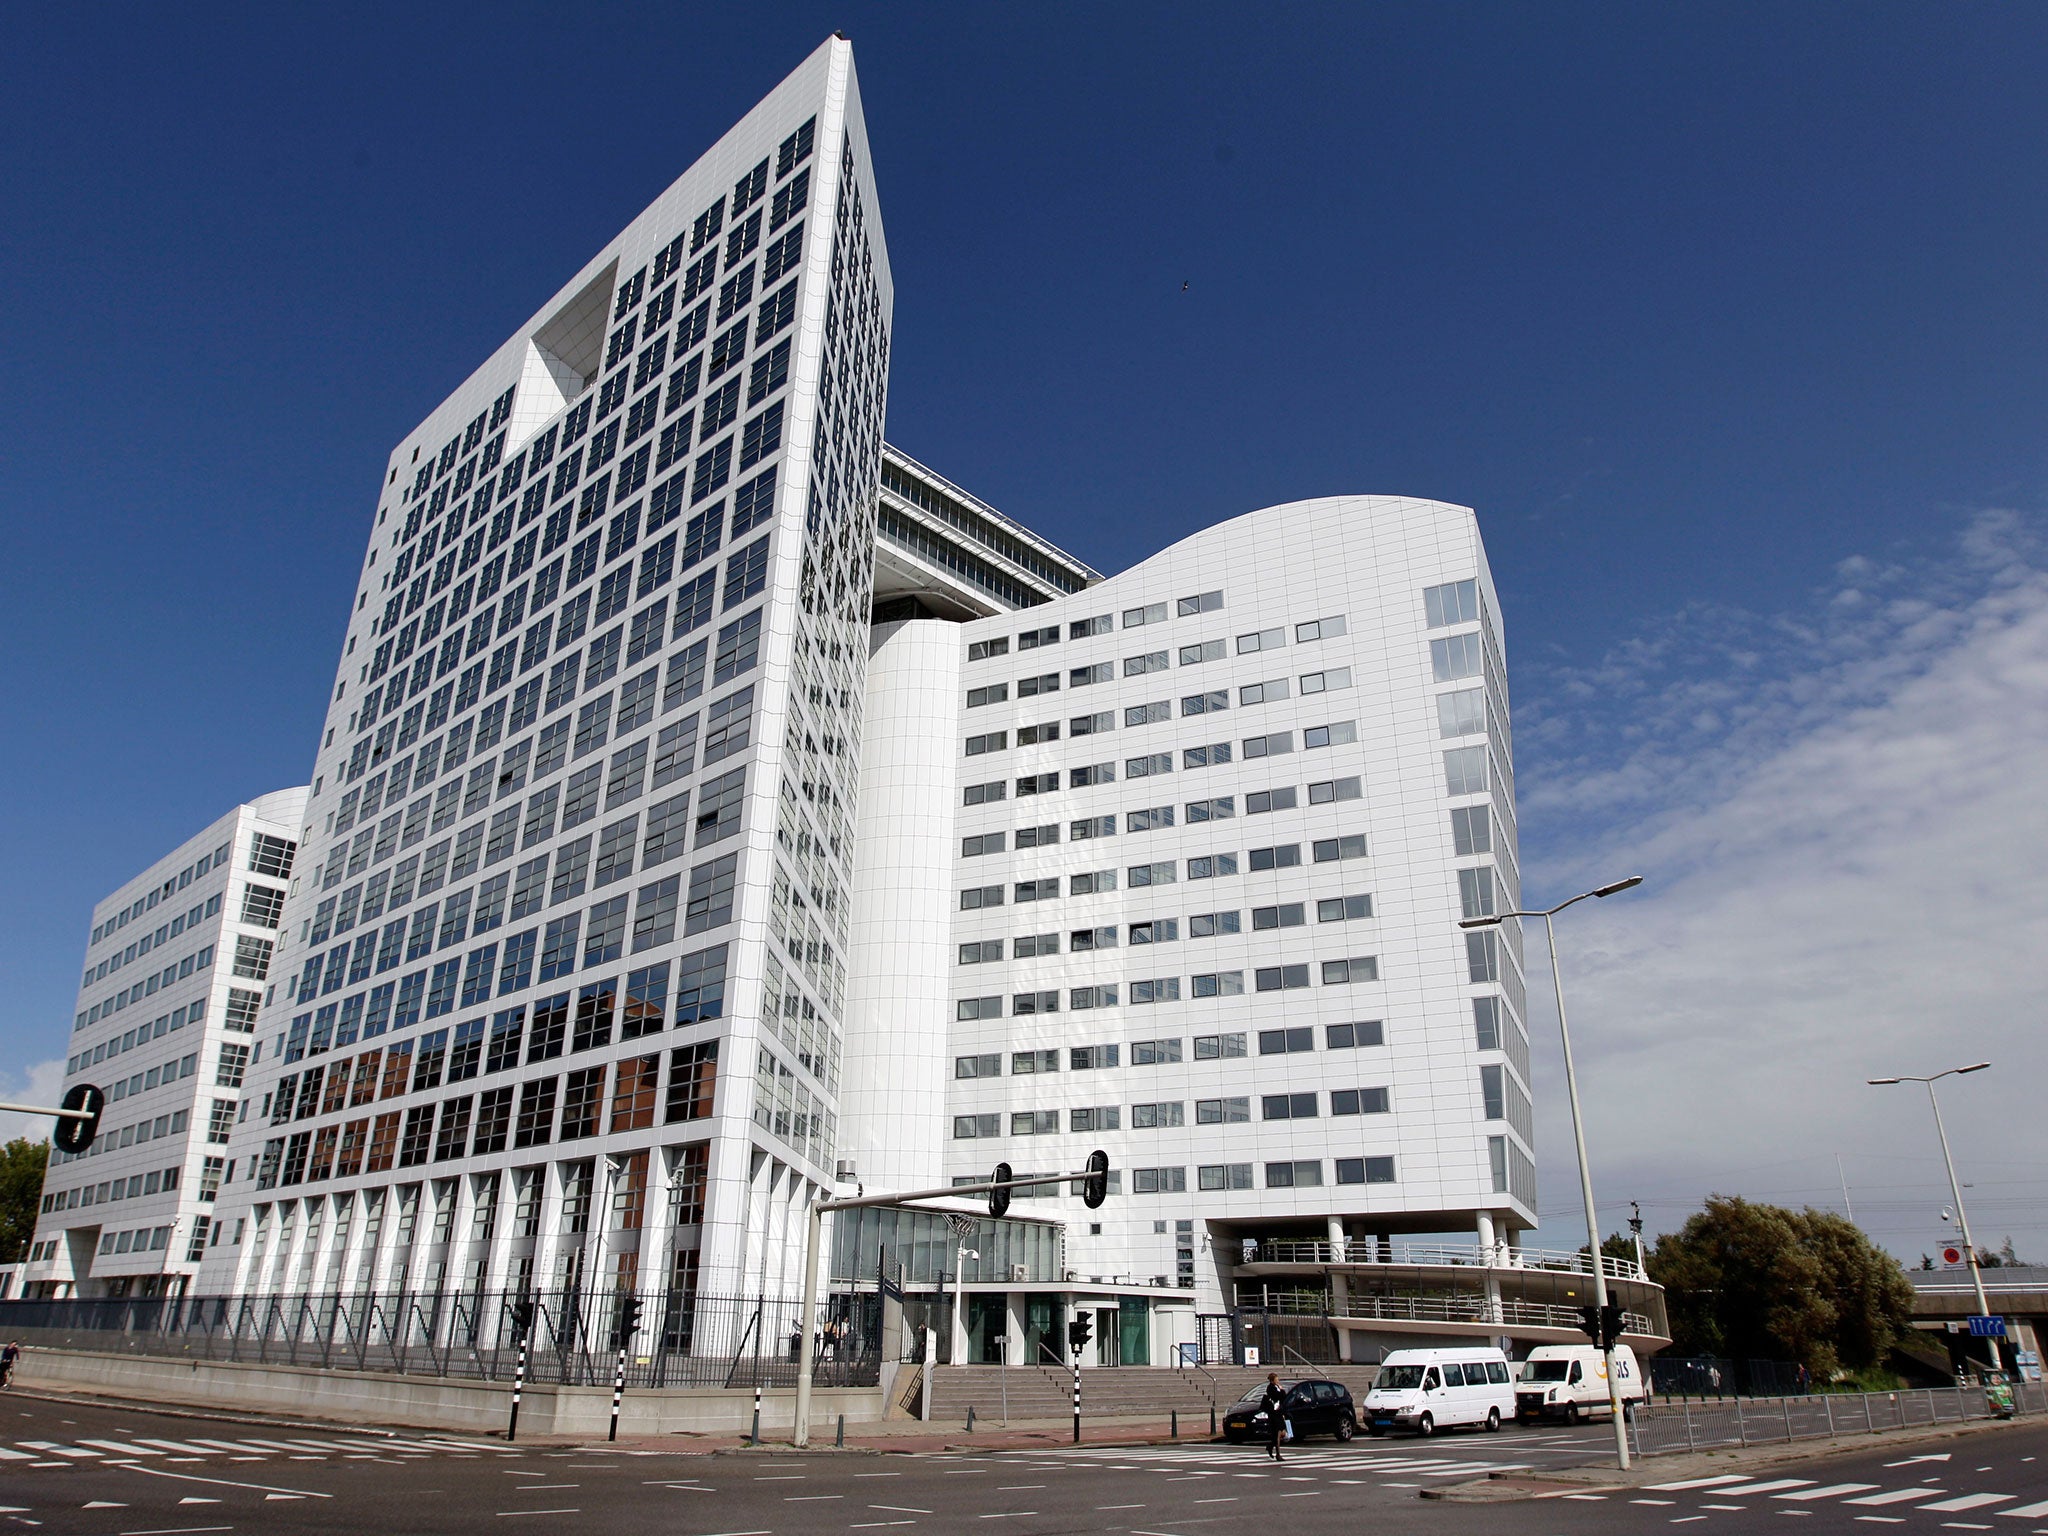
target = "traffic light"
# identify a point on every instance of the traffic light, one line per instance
(522, 1318)
(629, 1320)
(1589, 1323)
(999, 1197)
(1095, 1184)
(1610, 1325)
(75, 1133)
(1079, 1332)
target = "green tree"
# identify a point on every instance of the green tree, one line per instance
(21, 1190)
(1757, 1280)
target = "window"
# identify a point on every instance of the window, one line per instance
(1218, 984)
(1330, 850)
(1165, 989)
(1149, 818)
(983, 842)
(990, 1065)
(978, 1008)
(1081, 940)
(1209, 865)
(1281, 856)
(1337, 973)
(1157, 930)
(1032, 639)
(1338, 909)
(1325, 682)
(1262, 640)
(974, 899)
(1038, 784)
(1081, 629)
(1339, 733)
(1273, 745)
(1475, 891)
(1365, 1170)
(1033, 1063)
(981, 951)
(1088, 1058)
(1034, 1122)
(1083, 677)
(1204, 602)
(692, 1079)
(982, 794)
(1220, 808)
(1231, 1111)
(1330, 790)
(1024, 1004)
(1032, 687)
(1455, 602)
(1096, 773)
(1152, 874)
(1259, 801)
(1462, 713)
(1205, 757)
(1224, 1176)
(982, 650)
(989, 741)
(1027, 946)
(1471, 830)
(1148, 714)
(1280, 978)
(1100, 996)
(1107, 1117)
(1159, 1181)
(1486, 1034)
(1287, 1106)
(1149, 1053)
(1151, 613)
(1037, 837)
(994, 693)
(1146, 1117)
(1218, 1047)
(969, 1127)
(1319, 629)
(1362, 1101)
(1286, 915)
(1205, 703)
(1296, 1175)
(1201, 651)
(1145, 767)
(1151, 661)
(1037, 890)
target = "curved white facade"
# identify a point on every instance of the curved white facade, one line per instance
(1212, 802)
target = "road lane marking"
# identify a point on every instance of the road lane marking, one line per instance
(1747, 1490)
(1018, 1487)
(1832, 1491)
(179, 1530)
(900, 1509)
(222, 1482)
(1696, 1482)
(810, 1498)
(1899, 1496)
(1956, 1506)
(2027, 1511)
(507, 1513)
(1883, 1519)
(1665, 1502)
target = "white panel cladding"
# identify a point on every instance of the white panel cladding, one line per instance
(1368, 561)
(899, 1000)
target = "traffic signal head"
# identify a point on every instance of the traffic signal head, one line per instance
(999, 1197)
(1589, 1323)
(1095, 1183)
(1079, 1331)
(629, 1318)
(1610, 1325)
(522, 1318)
(75, 1133)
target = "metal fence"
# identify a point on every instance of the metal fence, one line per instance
(1683, 1425)
(685, 1339)
(1714, 1377)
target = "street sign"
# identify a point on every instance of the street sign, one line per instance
(1987, 1327)
(1951, 1255)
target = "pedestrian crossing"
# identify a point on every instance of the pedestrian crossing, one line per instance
(1225, 1458)
(1924, 1498)
(23, 1454)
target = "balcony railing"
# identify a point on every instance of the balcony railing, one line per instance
(1445, 1309)
(1500, 1256)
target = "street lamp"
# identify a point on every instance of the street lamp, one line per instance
(1571, 1084)
(1955, 1187)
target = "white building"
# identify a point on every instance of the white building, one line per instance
(165, 1023)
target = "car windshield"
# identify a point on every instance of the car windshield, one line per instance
(1544, 1370)
(1398, 1378)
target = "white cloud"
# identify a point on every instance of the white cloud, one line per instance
(43, 1083)
(1843, 817)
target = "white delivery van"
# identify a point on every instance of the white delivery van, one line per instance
(1569, 1381)
(1425, 1390)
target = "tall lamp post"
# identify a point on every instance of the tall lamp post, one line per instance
(1571, 1084)
(1955, 1186)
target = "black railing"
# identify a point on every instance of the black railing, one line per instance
(686, 1338)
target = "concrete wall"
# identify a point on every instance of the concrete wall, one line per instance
(466, 1407)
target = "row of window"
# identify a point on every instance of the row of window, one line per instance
(1149, 765)
(172, 884)
(1167, 989)
(1225, 1111)
(241, 1018)
(1257, 802)
(1137, 666)
(159, 1180)
(1213, 701)
(1166, 930)
(164, 933)
(1305, 1173)
(566, 1107)
(1206, 866)
(252, 961)
(1358, 1035)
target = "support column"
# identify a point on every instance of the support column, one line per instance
(1340, 1284)
(1489, 1255)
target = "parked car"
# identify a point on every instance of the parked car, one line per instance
(1427, 1389)
(1313, 1408)
(1566, 1381)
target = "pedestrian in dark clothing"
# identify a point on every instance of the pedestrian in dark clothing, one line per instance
(1273, 1401)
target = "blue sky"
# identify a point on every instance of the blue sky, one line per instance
(1728, 320)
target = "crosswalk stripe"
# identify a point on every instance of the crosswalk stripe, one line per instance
(1970, 1501)
(1900, 1496)
(177, 1446)
(1750, 1490)
(2027, 1511)
(124, 1448)
(1832, 1491)
(8, 1453)
(51, 1448)
(1698, 1482)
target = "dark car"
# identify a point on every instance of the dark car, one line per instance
(1313, 1407)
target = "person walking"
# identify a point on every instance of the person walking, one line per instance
(1273, 1400)
(8, 1357)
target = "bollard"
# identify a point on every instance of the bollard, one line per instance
(756, 1438)
(1175, 1421)
(1741, 1429)
(839, 1440)
(1690, 1443)
(970, 1418)
(1212, 1421)
(1827, 1402)
(1786, 1404)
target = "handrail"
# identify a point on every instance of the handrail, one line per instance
(1476, 1255)
(1289, 1349)
(1211, 1375)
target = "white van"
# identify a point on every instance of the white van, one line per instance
(1428, 1389)
(1567, 1381)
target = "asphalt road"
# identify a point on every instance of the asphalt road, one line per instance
(71, 1467)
